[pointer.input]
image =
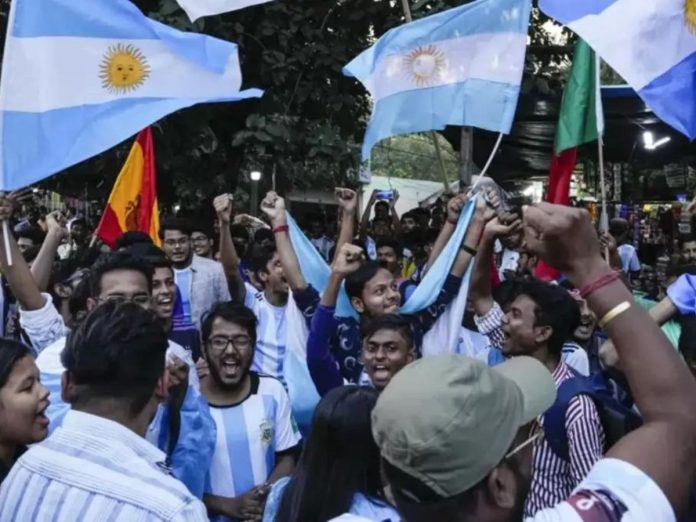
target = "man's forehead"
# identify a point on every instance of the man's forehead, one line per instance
(124, 281)
(382, 277)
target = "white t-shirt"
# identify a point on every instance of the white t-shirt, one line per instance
(575, 357)
(629, 258)
(613, 491)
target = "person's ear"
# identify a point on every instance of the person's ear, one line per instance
(62, 291)
(543, 334)
(358, 304)
(502, 487)
(91, 304)
(67, 390)
(410, 356)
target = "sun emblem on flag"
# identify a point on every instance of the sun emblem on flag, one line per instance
(424, 64)
(690, 14)
(123, 69)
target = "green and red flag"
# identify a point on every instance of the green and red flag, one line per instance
(581, 121)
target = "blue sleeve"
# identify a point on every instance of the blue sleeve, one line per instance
(322, 366)
(424, 320)
(193, 453)
(307, 301)
(683, 294)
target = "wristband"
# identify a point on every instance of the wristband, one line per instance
(452, 222)
(471, 251)
(599, 283)
(614, 313)
(281, 228)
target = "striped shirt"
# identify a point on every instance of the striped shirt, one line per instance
(271, 334)
(553, 479)
(92, 468)
(249, 435)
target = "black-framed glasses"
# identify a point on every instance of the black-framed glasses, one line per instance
(139, 299)
(219, 343)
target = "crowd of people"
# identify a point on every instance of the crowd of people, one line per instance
(156, 381)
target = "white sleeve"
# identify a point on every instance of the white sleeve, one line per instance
(614, 491)
(43, 326)
(193, 511)
(577, 359)
(287, 434)
(250, 297)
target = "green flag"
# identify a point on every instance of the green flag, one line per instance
(581, 118)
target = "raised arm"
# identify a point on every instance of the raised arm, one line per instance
(365, 221)
(347, 203)
(663, 448)
(228, 254)
(396, 222)
(43, 264)
(18, 274)
(273, 206)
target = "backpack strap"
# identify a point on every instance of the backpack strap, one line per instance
(554, 418)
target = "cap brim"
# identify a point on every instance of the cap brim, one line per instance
(534, 381)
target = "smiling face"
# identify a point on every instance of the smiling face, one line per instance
(202, 244)
(379, 296)
(384, 354)
(23, 403)
(229, 351)
(518, 325)
(273, 278)
(177, 246)
(163, 292)
(588, 320)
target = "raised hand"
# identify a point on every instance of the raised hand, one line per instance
(57, 224)
(178, 373)
(455, 206)
(499, 227)
(607, 242)
(273, 206)
(348, 260)
(347, 200)
(223, 207)
(564, 238)
(6, 207)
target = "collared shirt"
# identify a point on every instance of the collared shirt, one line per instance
(553, 479)
(207, 286)
(92, 468)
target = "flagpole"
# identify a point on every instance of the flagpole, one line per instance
(488, 163)
(438, 153)
(604, 220)
(6, 237)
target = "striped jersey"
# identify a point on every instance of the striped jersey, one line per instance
(92, 468)
(271, 336)
(553, 479)
(249, 435)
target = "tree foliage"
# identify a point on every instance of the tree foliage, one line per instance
(307, 128)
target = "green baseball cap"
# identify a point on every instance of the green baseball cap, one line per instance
(447, 421)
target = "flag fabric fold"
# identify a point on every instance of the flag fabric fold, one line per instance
(133, 204)
(80, 76)
(196, 9)
(651, 44)
(580, 121)
(462, 66)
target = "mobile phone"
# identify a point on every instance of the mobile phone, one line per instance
(383, 195)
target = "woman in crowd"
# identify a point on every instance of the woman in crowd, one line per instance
(23, 402)
(339, 470)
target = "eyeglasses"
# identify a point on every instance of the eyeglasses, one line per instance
(199, 239)
(139, 299)
(174, 242)
(219, 344)
(533, 437)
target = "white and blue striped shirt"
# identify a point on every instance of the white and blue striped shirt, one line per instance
(92, 468)
(271, 334)
(249, 435)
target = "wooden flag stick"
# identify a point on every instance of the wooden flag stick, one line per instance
(604, 220)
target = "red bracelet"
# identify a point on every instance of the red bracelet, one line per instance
(452, 222)
(281, 228)
(599, 283)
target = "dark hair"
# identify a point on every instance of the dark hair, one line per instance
(394, 322)
(618, 227)
(409, 215)
(117, 353)
(11, 352)
(390, 243)
(119, 261)
(150, 253)
(33, 233)
(175, 223)
(132, 237)
(240, 231)
(232, 313)
(554, 307)
(78, 299)
(356, 281)
(260, 258)
(382, 203)
(263, 234)
(685, 238)
(200, 226)
(339, 459)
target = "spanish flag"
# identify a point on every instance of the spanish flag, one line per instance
(132, 204)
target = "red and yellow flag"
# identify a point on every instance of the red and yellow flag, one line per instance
(132, 204)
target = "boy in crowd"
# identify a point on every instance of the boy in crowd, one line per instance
(257, 438)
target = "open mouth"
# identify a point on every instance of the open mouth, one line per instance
(41, 417)
(231, 367)
(380, 372)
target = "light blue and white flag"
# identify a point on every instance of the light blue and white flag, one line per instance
(80, 76)
(196, 9)
(459, 67)
(650, 43)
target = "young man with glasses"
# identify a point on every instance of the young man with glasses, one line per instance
(201, 281)
(256, 436)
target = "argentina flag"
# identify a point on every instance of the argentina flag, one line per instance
(459, 67)
(196, 9)
(650, 43)
(80, 76)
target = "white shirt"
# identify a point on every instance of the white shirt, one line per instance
(271, 334)
(92, 468)
(249, 434)
(629, 258)
(613, 491)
